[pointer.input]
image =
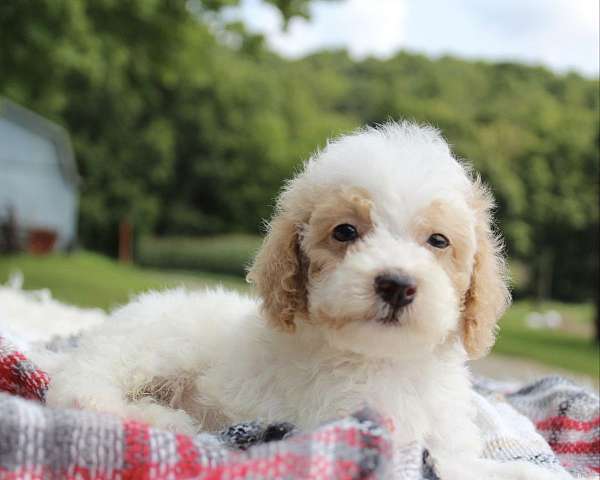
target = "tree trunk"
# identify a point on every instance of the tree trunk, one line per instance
(597, 314)
(545, 270)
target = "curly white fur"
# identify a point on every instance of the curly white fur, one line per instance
(313, 347)
(30, 317)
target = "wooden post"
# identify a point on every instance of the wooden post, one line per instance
(125, 243)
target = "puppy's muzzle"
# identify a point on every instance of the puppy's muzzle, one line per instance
(396, 289)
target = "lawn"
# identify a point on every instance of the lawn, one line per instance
(90, 280)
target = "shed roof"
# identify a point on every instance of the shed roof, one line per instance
(43, 127)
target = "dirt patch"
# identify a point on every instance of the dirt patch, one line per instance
(520, 370)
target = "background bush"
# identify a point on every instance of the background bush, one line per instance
(229, 254)
(185, 124)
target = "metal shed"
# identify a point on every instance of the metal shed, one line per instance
(38, 177)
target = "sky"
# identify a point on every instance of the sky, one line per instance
(560, 34)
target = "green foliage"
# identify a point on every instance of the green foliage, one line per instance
(186, 125)
(91, 280)
(228, 254)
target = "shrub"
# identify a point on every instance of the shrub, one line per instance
(228, 254)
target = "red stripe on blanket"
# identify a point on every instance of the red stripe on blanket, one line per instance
(136, 456)
(28, 381)
(336, 435)
(285, 465)
(272, 465)
(559, 423)
(576, 447)
(187, 465)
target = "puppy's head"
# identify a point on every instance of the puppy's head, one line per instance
(385, 242)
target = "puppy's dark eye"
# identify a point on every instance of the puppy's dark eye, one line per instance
(438, 240)
(345, 233)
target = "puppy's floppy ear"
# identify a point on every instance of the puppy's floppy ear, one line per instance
(279, 273)
(488, 296)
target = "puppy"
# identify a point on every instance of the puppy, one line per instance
(380, 276)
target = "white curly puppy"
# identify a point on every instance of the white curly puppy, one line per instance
(379, 278)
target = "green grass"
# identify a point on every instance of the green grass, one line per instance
(229, 254)
(90, 280)
(570, 347)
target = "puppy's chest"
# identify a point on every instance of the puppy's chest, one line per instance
(308, 393)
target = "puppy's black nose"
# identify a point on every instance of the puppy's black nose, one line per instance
(396, 289)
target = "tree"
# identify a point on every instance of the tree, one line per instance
(187, 124)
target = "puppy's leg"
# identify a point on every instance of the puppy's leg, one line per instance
(143, 361)
(102, 394)
(122, 376)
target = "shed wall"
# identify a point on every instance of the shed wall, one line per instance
(32, 183)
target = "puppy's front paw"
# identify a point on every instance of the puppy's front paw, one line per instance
(494, 470)
(104, 400)
(162, 417)
(522, 470)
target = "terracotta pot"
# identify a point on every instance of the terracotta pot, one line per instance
(41, 241)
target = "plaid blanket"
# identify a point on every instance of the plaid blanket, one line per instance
(551, 422)
(40, 442)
